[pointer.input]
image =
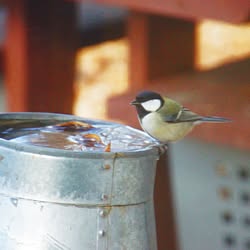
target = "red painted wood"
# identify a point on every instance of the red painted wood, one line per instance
(40, 54)
(157, 48)
(2, 58)
(138, 35)
(225, 10)
(164, 207)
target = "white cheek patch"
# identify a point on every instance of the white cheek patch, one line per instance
(151, 105)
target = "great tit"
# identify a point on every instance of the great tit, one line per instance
(166, 120)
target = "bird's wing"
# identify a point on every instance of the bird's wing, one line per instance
(184, 115)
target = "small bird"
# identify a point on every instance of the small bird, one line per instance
(165, 119)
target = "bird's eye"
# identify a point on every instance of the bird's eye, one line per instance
(151, 105)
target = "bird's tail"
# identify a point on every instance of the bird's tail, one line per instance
(214, 119)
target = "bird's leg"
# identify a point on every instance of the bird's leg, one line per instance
(162, 148)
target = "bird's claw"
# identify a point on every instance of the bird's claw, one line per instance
(162, 148)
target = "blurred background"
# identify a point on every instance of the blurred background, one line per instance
(90, 58)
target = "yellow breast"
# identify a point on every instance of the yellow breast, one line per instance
(163, 131)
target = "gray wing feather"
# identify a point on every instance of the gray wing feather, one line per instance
(184, 115)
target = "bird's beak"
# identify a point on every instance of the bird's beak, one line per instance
(134, 102)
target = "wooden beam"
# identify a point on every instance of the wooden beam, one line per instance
(159, 47)
(40, 55)
(230, 11)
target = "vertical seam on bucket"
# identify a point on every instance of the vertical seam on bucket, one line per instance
(112, 182)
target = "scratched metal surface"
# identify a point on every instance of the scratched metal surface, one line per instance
(31, 225)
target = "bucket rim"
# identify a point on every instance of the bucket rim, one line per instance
(149, 150)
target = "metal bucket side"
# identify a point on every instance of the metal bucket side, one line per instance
(31, 225)
(83, 178)
(88, 181)
(56, 199)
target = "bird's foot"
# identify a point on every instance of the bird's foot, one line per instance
(162, 148)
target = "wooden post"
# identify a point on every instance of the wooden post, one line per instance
(159, 47)
(40, 55)
(164, 208)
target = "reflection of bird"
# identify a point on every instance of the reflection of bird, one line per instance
(165, 119)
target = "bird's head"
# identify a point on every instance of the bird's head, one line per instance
(147, 102)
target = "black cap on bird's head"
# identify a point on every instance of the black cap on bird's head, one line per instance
(147, 102)
(146, 96)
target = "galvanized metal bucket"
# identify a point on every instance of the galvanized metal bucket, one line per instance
(53, 199)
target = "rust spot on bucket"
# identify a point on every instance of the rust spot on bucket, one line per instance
(108, 209)
(108, 147)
